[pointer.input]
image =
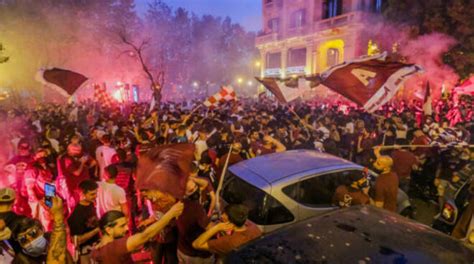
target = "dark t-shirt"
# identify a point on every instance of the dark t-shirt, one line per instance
(124, 176)
(225, 244)
(386, 190)
(83, 220)
(192, 223)
(114, 252)
(68, 166)
(403, 162)
(345, 197)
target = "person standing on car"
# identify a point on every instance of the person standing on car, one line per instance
(386, 185)
(355, 193)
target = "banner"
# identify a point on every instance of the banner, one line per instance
(369, 82)
(65, 82)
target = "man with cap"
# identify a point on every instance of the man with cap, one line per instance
(386, 185)
(8, 218)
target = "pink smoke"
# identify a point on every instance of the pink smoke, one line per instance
(427, 51)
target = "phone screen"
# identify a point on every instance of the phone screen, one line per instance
(49, 192)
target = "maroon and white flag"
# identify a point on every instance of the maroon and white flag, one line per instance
(65, 82)
(369, 82)
(286, 90)
(226, 93)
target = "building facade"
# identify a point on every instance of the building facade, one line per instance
(304, 37)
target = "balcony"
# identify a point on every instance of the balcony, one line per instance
(342, 20)
(338, 21)
(298, 31)
(266, 38)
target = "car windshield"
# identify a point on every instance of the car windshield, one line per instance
(263, 208)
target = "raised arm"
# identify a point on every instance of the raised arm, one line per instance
(57, 246)
(136, 241)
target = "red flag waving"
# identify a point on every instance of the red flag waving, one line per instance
(225, 94)
(370, 82)
(101, 96)
(65, 82)
(166, 169)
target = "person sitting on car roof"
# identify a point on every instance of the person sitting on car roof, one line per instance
(354, 193)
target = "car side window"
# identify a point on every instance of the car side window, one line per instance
(318, 191)
(263, 208)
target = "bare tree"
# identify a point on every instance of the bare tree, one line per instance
(156, 77)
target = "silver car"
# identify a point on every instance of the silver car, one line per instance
(291, 186)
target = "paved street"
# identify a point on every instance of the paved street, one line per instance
(424, 211)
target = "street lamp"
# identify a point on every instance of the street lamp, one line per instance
(195, 84)
(240, 80)
(258, 64)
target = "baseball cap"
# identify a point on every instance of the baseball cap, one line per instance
(7, 195)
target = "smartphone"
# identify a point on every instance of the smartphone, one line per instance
(49, 193)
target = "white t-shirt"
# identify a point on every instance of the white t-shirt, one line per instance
(104, 155)
(109, 197)
(402, 133)
(201, 146)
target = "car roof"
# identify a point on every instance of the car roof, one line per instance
(276, 166)
(359, 234)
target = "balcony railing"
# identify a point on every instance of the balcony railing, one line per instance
(265, 38)
(328, 23)
(338, 21)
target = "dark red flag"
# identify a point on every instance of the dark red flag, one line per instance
(166, 169)
(369, 82)
(65, 82)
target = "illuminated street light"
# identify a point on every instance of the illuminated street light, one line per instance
(258, 64)
(249, 83)
(195, 84)
(240, 80)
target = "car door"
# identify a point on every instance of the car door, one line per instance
(315, 193)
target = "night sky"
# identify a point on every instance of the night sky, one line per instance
(246, 12)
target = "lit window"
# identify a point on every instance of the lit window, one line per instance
(332, 57)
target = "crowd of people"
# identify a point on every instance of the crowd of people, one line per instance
(90, 154)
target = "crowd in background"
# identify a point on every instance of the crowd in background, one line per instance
(90, 154)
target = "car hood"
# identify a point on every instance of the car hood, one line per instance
(361, 234)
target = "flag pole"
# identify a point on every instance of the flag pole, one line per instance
(423, 146)
(195, 109)
(221, 181)
(301, 120)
